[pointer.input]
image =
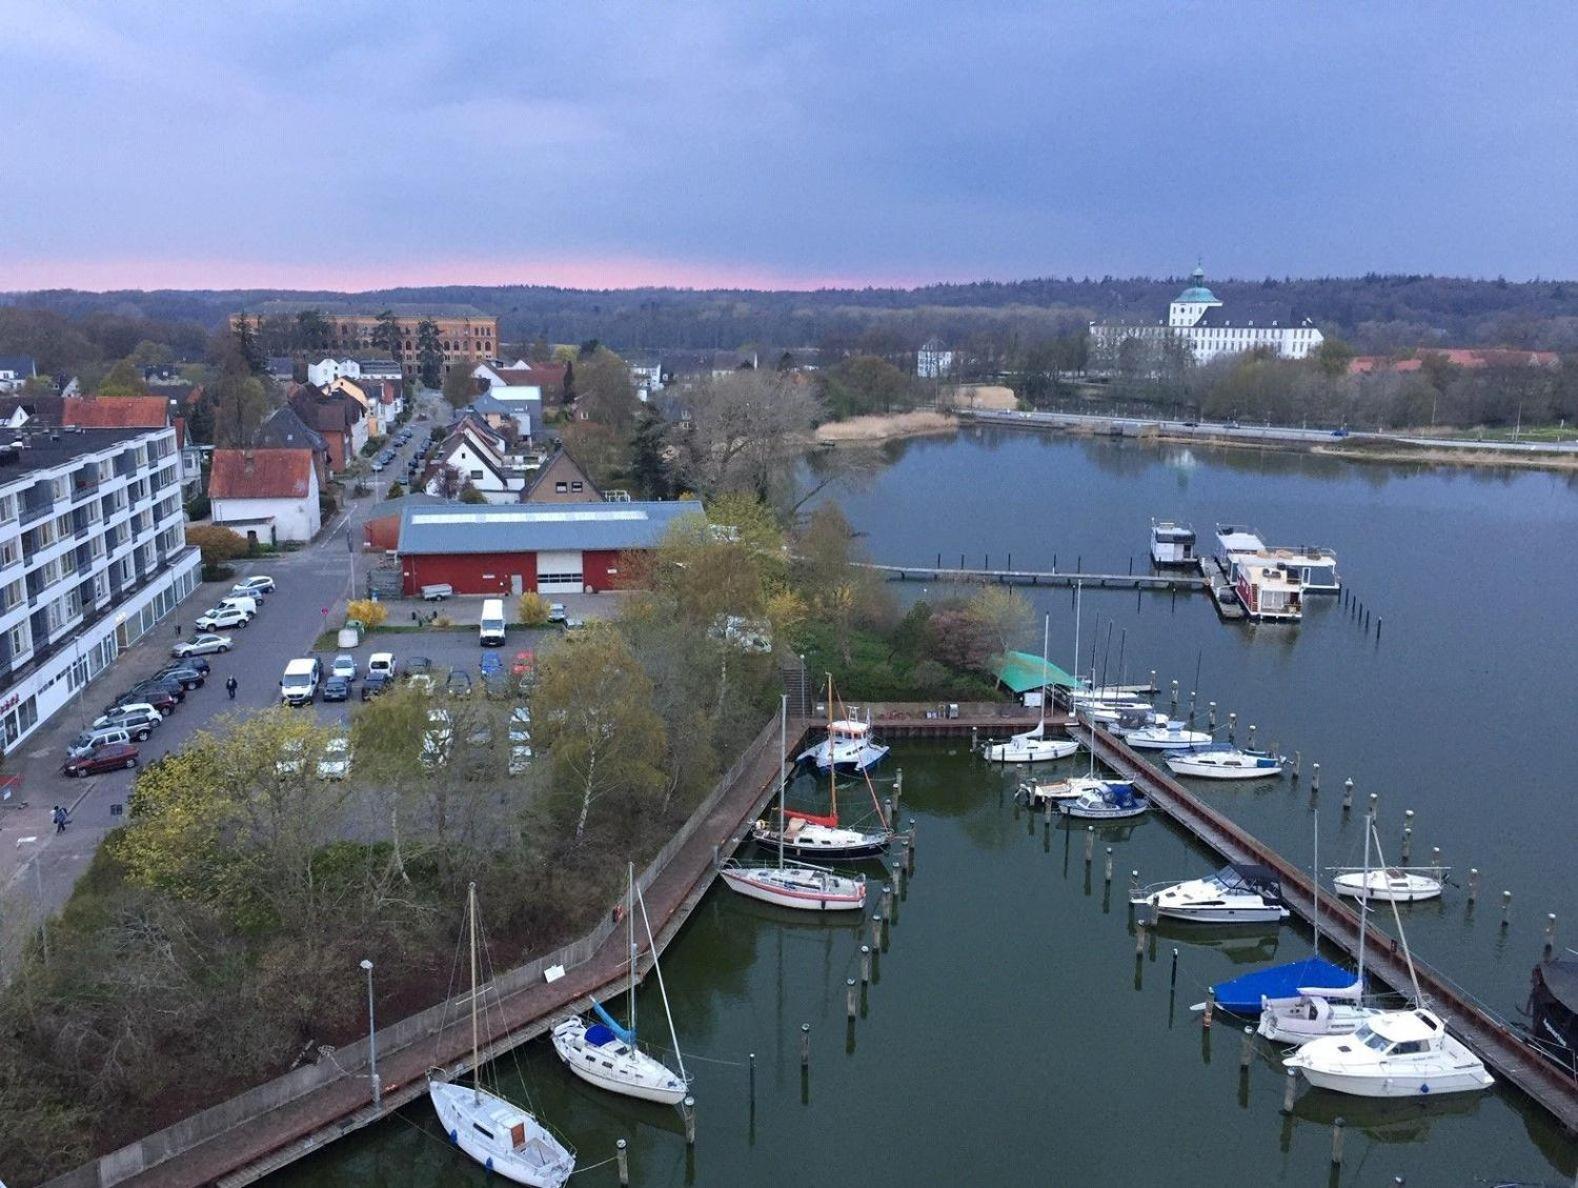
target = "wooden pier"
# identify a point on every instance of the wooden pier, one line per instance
(1219, 584)
(1497, 1044)
(1028, 577)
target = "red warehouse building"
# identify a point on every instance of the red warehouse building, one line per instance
(563, 548)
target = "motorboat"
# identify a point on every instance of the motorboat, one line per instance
(797, 885)
(1392, 884)
(848, 747)
(1239, 893)
(1405, 1053)
(605, 1054)
(1164, 734)
(1225, 762)
(1553, 1011)
(1114, 800)
(490, 1128)
(1036, 794)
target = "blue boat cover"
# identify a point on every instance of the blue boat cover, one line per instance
(622, 1032)
(1242, 995)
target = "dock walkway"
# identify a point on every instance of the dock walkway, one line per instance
(1028, 577)
(1491, 1039)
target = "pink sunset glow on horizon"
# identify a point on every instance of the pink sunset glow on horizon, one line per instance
(611, 272)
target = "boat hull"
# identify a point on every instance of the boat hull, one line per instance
(870, 845)
(1031, 751)
(1213, 771)
(1221, 915)
(807, 900)
(544, 1163)
(1415, 893)
(1458, 1081)
(652, 1082)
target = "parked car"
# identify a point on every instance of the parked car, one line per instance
(524, 664)
(158, 698)
(573, 623)
(438, 738)
(381, 664)
(94, 737)
(374, 684)
(157, 684)
(458, 684)
(258, 584)
(379, 464)
(556, 612)
(418, 664)
(189, 677)
(336, 688)
(291, 759)
(106, 758)
(491, 665)
(138, 719)
(222, 618)
(196, 663)
(336, 761)
(344, 666)
(200, 645)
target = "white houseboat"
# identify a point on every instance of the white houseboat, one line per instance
(1268, 592)
(1172, 544)
(1316, 567)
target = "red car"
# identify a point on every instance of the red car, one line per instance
(525, 664)
(110, 757)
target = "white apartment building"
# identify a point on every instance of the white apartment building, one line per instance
(93, 553)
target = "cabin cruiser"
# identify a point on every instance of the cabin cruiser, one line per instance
(1224, 761)
(1388, 884)
(1392, 1054)
(1109, 800)
(1239, 893)
(849, 746)
(1164, 734)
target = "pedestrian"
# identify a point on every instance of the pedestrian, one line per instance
(230, 687)
(59, 817)
(177, 631)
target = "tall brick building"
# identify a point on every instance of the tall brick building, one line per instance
(465, 334)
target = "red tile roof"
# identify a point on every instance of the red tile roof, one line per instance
(260, 474)
(116, 412)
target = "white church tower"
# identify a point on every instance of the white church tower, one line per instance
(1190, 306)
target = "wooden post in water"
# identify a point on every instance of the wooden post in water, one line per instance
(1175, 698)
(1139, 939)
(1246, 1051)
(1550, 934)
(887, 903)
(849, 999)
(1314, 778)
(1172, 979)
(1232, 725)
(1090, 843)
(805, 1045)
(1408, 832)
(1336, 1142)
(898, 795)
(690, 1114)
(1134, 883)
(1506, 908)
(1473, 883)
(876, 932)
(1210, 1009)
(622, 1155)
(1251, 736)
(1106, 876)
(1295, 767)
(1435, 860)
(865, 965)
(1288, 1086)
(1210, 720)
(753, 1080)
(1375, 804)
(911, 848)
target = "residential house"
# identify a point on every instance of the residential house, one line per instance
(281, 369)
(16, 411)
(283, 429)
(16, 370)
(191, 459)
(1470, 358)
(269, 496)
(934, 360)
(115, 412)
(338, 417)
(548, 378)
(474, 455)
(561, 480)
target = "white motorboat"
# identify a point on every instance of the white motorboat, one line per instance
(1239, 893)
(1392, 884)
(1113, 800)
(797, 885)
(1225, 762)
(494, 1131)
(1392, 1054)
(1036, 794)
(604, 1054)
(1323, 1010)
(794, 885)
(1164, 734)
(849, 746)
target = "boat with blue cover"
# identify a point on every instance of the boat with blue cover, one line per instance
(1105, 800)
(1279, 985)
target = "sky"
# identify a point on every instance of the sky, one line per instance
(349, 145)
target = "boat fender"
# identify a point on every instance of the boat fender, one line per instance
(489, 1164)
(454, 1136)
(1423, 1088)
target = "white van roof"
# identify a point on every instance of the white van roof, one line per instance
(300, 666)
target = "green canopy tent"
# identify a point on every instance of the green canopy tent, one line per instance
(1021, 673)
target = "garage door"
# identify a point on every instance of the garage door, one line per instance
(559, 573)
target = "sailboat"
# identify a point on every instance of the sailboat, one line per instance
(1033, 746)
(818, 835)
(1324, 1010)
(605, 1054)
(794, 884)
(1162, 733)
(1407, 1053)
(494, 1131)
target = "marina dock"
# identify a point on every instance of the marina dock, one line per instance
(1219, 584)
(1028, 577)
(1498, 1045)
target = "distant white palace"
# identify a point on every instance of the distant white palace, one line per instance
(1198, 319)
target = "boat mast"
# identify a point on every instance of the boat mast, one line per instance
(1364, 900)
(1315, 888)
(1046, 649)
(630, 940)
(1413, 978)
(832, 753)
(1078, 590)
(476, 1067)
(662, 990)
(783, 771)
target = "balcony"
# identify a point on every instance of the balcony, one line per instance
(33, 512)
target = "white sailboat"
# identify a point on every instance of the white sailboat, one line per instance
(794, 884)
(1032, 746)
(1323, 1010)
(494, 1131)
(1407, 1053)
(1239, 893)
(1164, 734)
(1224, 762)
(604, 1054)
(819, 835)
(1390, 884)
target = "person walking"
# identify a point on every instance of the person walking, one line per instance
(230, 687)
(59, 817)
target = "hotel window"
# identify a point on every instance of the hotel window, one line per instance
(62, 488)
(10, 553)
(20, 641)
(7, 508)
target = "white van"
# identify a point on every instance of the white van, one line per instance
(492, 628)
(300, 683)
(244, 603)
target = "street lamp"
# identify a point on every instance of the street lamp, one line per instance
(372, 1040)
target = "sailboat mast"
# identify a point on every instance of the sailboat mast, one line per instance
(1315, 887)
(476, 1066)
(630, 940)
(1397, 919)
(1078, 591)
(1364, 900)
(783, 771)
(1046, 650)
(657, 968)
(832, 752)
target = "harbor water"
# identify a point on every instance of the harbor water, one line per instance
(1012, 1035)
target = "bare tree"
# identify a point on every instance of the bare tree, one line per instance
(746, 432)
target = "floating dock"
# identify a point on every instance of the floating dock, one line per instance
(1219, 584)
(1030, 577)
(1497, 1044)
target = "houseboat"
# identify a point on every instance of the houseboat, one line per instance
(1234, 541)
(1316, 568)
(1172, 545)
(1268, 592)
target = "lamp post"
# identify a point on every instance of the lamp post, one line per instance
(372, 1041)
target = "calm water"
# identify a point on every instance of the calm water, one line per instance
(1012, 1038)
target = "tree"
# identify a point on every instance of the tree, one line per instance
(368, 611)
(539, 351)
(605, 394)
(124, 379)
(459, 386)
(429, 353)
(867, 384)
(218, 544)
(250, 354)
(746, 432)
(386, 334)
(240, 402)
(648, 457)
(396, 489)
(313, 333)
(533, 609)
(1005, 615)
(603, 738)
(471, 495)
